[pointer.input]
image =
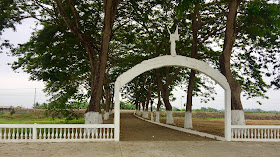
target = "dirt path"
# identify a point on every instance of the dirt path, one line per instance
(134, 129)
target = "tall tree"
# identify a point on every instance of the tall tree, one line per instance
(205, 24)
(77, 16)
(254, 23)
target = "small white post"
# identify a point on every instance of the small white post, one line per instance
(34, 131)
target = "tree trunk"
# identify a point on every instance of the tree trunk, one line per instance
(108, 101)
(137, 107)
(165, 97)
(143, 107)
(110, 9)
(148, 97)
(229, 40)
(159, 95)
(165, 94)
(111, 103)
(97, 81)
(188, 113)
(159, 101)
(146, 112)
(195, 28)
(190, 91)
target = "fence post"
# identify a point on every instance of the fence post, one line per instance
(34, 131)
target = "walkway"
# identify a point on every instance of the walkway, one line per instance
(134, 129)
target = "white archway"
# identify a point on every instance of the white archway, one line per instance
(166, 61)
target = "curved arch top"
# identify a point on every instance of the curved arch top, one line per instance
(167, 61)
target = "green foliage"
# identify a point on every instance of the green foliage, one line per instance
(57, 57)
(257, 47)
(40, 106)
(208, 109)
(126, 106)
(259, 111)
(12, 112)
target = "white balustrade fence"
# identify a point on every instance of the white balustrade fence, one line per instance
(255, 133)
(56, 132)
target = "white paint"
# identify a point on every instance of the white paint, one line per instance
(152, 116)
(237, 117)
(145, 114)
(110, 112)
(92, 118)
(173, 38)
(157, 117)
(106, 115)
(188, 120)
(56, 132)
(138, 112)
(100, 119)
(167, 61)
(263, 133)
(169, 118)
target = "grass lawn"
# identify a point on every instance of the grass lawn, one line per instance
(34, 117)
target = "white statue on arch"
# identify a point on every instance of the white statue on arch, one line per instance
(173, 38)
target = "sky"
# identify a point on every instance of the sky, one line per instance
(17, 90)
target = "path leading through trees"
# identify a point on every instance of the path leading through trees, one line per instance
(134, 129)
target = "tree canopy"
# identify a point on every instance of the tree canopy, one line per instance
(84, 45)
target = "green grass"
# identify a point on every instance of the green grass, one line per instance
(41, 121)
(30, 118)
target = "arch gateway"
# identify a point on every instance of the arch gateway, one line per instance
(166, 61)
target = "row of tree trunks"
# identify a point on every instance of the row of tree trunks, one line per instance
(146, 111)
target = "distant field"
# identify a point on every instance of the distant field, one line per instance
(31, 116)
(213, 122)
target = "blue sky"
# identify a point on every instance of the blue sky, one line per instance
(17, 90)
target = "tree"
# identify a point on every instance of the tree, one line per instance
(97, 62)
(89, 28)
(243, 31)
(206, 23)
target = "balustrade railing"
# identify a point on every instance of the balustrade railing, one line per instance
(255, 133)
(56, 132)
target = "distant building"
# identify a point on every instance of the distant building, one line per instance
(6, 108)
